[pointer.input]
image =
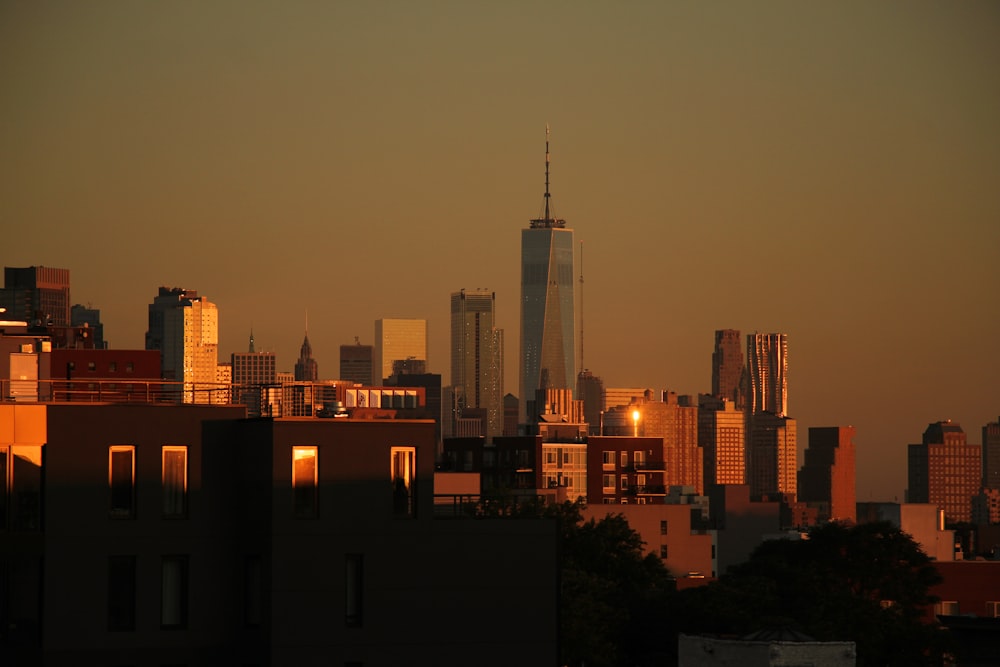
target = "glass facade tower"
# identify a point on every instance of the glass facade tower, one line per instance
(547, 315)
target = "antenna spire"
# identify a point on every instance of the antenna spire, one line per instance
(547, 221)
(581, 306)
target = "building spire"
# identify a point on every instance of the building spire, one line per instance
(581, 307)
(547, 221)
(251, 340)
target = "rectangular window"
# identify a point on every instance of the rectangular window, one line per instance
(174, 481)
(624, 482)
(947, 608)
(354, 590)
(121, 593)
(252, 592)
(21, 487)
(404, 468)
(174, 592)
(305, 479)
(993, 609)
(121, 481)
(624, 457)
(663, 551)
(608, 460)
(663, 528)
(113, 366)
(639, 457)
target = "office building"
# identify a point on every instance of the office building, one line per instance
(767, 374)
(356, 363)
(944, 470)
(398, 340)
(306, 368)
(185, 328)
(255, 380)
(477, 359)
(722, 438)
(727, 367)
(90, 318)
(772, 457)
(618, 396)
(547, 358)
(826, 479)
(590, 390)
(38, 295)
(991, 455)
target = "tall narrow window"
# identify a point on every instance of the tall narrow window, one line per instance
(404, 470)
(354, 590)
(121, 593)
(175, 482)
(174, 592)
(121, 480)
(304, 481)
(252, 592)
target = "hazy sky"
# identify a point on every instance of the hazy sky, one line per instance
(826, 170)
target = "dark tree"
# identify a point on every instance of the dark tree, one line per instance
(868, 583)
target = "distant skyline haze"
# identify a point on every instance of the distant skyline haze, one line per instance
(824, 171)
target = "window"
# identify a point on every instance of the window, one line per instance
(121, 593)
(174, 481)
(21, 488)
(624, 459)
(608, 459)
(624, 482)
(993, 609)
(663, 528)
(174, 592)
(129, 367)
(639, 457)
(640, 481)
(404, 470)
(947, 608)
(663, 551)
(112, 366)
(91, 365)
(305, 481)
(608, 482)
(252, 588)
(121, 481)
(353, 590)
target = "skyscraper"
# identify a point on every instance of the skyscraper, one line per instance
(772, 456)
(356, 363)
(398, 340)
(252, 372)
(991, 455)
(547, 315)
(306, 369)
(185, 328)
(727, 367)
(38, 295)
(827, 475)
(945, 470)
(721, 435)
(477, 357)
(767, 369)
(590, 390)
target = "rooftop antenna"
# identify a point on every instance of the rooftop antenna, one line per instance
(547, 222)
(581, 306)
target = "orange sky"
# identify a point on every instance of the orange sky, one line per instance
(827, 170)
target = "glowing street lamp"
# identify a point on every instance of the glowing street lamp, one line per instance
(635, 423)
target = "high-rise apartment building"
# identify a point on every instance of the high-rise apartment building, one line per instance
(398, 340)
(727, 367)
(547, 359)
(477, 358)
(38, 295)
(945, 470)
(826, 478)
(306, 369)
(991, 455)
(185, 328)
(772, 456)
(767, 374)
(722, 438)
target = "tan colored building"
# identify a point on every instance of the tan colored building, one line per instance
(945, 470)
(722, 438)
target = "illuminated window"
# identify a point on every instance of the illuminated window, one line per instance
(639, 458)
(404, 470)
(304, 481)
(121, 593)
(354, 590)
(174, 592)
(175, 481)
(608, 460)
(121, 481)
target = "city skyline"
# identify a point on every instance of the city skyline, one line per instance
(826, 172)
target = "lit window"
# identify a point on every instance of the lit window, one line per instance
(304, 481)
(121, 593)
(353, 590)
(174, 592)
(175, 481)
(121, 481)
(403, 476)
(639, 457)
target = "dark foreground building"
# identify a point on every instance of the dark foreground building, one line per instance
(146, 535)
